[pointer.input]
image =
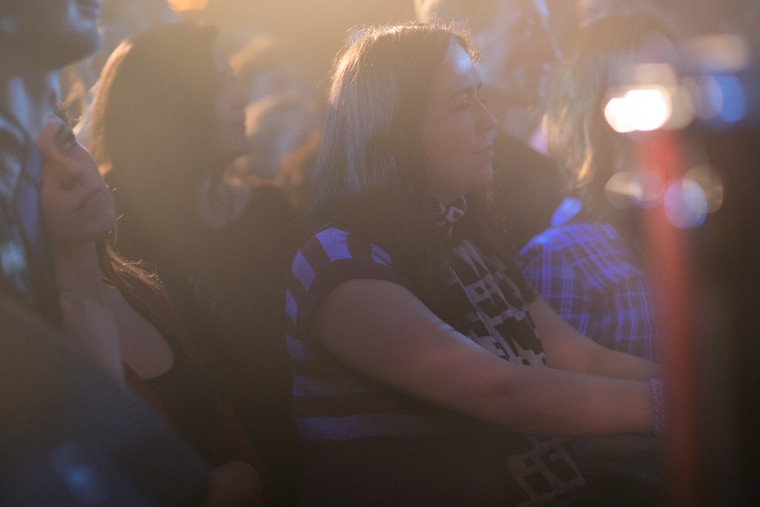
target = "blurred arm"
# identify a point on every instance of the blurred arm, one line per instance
(382, 330)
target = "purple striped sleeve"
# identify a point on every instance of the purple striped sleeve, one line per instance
(328, 259)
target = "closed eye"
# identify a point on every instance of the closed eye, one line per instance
(468, 97)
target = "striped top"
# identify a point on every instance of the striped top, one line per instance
(358, 432)
(331, 402)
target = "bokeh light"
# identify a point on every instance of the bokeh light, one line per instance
(627, 189)
(188, 5)
(705, 95)
(639, 109)
(711, 185)
(685, 204)
(734, 103)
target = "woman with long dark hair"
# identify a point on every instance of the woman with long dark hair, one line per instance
(591, 265)
(426, 371)
(168, 119)
(117, 312)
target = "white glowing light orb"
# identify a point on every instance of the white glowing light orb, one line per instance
(639, 109)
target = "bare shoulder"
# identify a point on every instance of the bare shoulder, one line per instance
(142, 346)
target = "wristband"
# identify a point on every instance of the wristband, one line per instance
(658, 405)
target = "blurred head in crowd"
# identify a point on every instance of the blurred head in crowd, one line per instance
(50, 33)
(269, 65)
(517, 49)
(120, 20)
(277, 126)
(123, 19)
(587, 149)
(37, 38)
(168, 114)
(285, 113)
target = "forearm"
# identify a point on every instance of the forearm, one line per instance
(530, 399)
(408, 348)
(555, 402)
(623, 319)
(566, 349)
(609, 363)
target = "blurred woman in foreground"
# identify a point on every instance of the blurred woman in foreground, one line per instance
(117, 313)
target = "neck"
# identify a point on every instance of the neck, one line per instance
(77, 269)
(27, 91)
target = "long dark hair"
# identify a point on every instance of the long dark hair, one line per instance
(153, 131)
(144, 291)
(140, 286)
(370, 175)
(587, 149)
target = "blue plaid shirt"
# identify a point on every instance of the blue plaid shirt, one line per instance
(589, 275)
